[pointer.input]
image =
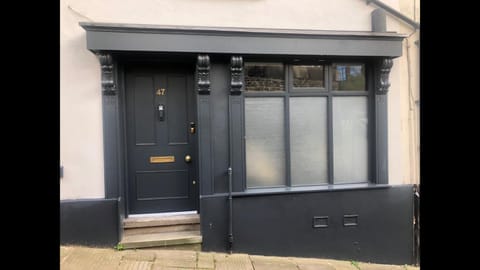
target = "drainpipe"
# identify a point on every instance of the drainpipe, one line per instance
(416, 224)
(230, 211)
(395, 13)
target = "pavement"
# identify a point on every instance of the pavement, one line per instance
(77, 257)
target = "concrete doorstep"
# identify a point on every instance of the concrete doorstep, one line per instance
(76, 257)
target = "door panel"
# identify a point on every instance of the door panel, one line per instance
(144, 116)
(159, 178)
(177, 118)
(162, 185)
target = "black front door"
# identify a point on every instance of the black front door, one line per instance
(161, 138)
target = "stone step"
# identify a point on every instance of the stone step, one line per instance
(138, 222)
(161, 229)
(161, 239)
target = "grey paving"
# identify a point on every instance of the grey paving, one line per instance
(138, 256)
(175, 258)
(205, 261)
(232, 261)
(76, 257)
(266, 263)
(135, 265)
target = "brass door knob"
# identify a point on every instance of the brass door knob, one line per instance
(188, 158)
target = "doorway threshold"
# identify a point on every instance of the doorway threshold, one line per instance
(166, 214)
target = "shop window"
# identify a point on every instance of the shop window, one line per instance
(304, 126)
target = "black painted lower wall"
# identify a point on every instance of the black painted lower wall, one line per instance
(370, 225)
(89, 222)
(282, 224)
(214, 223)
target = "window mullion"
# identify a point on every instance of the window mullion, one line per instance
(329, 124)
(287, 125)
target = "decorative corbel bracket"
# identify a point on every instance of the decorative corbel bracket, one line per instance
(385, 67)
(108, 83)
(236, 68)
(203, 74)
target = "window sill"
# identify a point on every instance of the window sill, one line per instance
(308, 189)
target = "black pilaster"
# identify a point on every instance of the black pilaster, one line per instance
(204, 124)
(237, 157)
(383, 67)
(111, 128)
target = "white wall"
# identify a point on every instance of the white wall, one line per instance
(80, 94)
(308, 14)
(403, 108)
(81, 147)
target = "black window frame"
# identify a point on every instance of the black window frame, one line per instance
(329, 93)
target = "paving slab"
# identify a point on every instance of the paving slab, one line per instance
(161, 267)
(91, 258)
(188, 247)
(232, 262)
(276, 259)
(176, 258)
(183, 254)
(134, 265)
(316, 266)
(64, 252)
(270, 262)
(369, 266)
(205, 260)
(273, 265)
(138, 255)
(341, 265)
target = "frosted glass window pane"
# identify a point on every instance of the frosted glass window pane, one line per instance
(265, 142)
(308, 140)
(350, 139)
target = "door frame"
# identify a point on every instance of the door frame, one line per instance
(114, 120)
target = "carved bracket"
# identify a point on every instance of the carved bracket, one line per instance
(385, 67)
(203, 74)
(236, 68)
(108, 83)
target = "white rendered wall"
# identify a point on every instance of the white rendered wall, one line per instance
(403, 100)
(306, 14)
(81, 143)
